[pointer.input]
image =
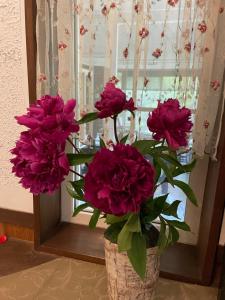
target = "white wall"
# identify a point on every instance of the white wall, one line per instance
(13, 99)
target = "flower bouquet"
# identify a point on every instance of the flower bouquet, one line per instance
(122, 181)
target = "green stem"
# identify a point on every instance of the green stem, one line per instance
(76, 173)
(115, 129)
(74, 146)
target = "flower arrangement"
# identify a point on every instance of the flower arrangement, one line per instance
(121, 180)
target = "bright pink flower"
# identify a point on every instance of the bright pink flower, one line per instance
(3, 239)
(119, 181)
(41, 165)
(169, 121)
(113, 101)
(51, 118)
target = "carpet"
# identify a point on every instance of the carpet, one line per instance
(70, 279)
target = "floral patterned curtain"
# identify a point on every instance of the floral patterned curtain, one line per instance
(151, 49)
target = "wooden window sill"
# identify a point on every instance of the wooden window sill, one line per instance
(179, 262)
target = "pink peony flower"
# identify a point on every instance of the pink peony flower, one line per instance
(41, 165)
(169, 121)
(119, 181)
(113, 101)
(51, 118)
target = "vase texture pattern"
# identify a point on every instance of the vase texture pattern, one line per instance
(123, 281)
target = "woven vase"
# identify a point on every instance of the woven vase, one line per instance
(123, 281)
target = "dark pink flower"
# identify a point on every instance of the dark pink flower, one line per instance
(83, 30)
(202, 27)
(51, 117)
(157, 53)
(215, 84)
(169, 121)
(144, 32)
(187, 47)
(119, 181)
(206, 124)
(41, 165)
(62, 46)
(113, 101)
(125, 52)
(173, 2)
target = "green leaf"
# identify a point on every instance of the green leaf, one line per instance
(171, 159)
(102, 143)
(78, 185)
(166, 170)
(157, 169)
(124, 239)
(80, 208)
(112, 232)
(124, 139)
(74, 195)
(175, 234)
(171, 209)
(111, 219)
(187, 190)
(79, 159)
(185, 169)
(133, 223)
(181, 225)
(94, 218)
(162, 240)
(155, 207)
(158, 150)
(137, 254)
(144, 146)
(160, 201)
(88, 118)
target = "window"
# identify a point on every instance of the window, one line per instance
(172, 75)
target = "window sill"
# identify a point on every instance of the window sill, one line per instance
(179, 262)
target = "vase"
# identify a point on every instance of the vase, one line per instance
(123, 282)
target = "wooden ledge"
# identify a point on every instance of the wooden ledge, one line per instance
(179, 262)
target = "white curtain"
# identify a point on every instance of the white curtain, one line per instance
(152, 49)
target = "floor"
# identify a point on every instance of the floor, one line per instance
(26, 274)
(17, 255)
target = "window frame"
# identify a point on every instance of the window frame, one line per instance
(181, 262)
